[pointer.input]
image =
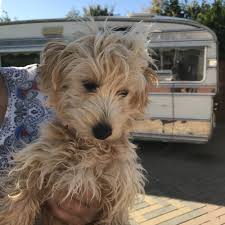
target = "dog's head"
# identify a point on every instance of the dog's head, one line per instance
(98, 83)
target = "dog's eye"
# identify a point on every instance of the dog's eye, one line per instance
(123, 93)
(90, 86)
(65, 87)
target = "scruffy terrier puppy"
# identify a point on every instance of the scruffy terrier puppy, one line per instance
(97, 86)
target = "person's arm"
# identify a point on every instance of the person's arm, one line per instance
(73, 212)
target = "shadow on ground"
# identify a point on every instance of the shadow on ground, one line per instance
(186, 171)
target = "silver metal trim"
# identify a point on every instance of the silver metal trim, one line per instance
(169, 138)
(182, 93)
(159, 19)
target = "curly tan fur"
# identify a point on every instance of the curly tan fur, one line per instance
(68, 159)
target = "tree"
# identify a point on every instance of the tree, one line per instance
(97, 10)
(5, 17)
(73, 14)
(156, 8)
(213, 16)
(172, 8)
(167, 8)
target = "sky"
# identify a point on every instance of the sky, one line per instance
(41, 9)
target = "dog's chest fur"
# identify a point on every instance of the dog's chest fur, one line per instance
(62, 161)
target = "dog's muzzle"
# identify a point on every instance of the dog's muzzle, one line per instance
(102, 130)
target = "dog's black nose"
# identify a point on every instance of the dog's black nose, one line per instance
(102, 131)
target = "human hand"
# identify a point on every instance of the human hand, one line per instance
(72, 211)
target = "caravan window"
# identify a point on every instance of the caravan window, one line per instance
(19, 59)
(179, 64)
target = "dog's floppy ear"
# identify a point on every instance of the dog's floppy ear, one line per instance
(141, 99)
(50, 58)
(151, 78)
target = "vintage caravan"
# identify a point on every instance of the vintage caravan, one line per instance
(185, 56)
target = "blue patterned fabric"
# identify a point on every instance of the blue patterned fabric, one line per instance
(25, 111)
